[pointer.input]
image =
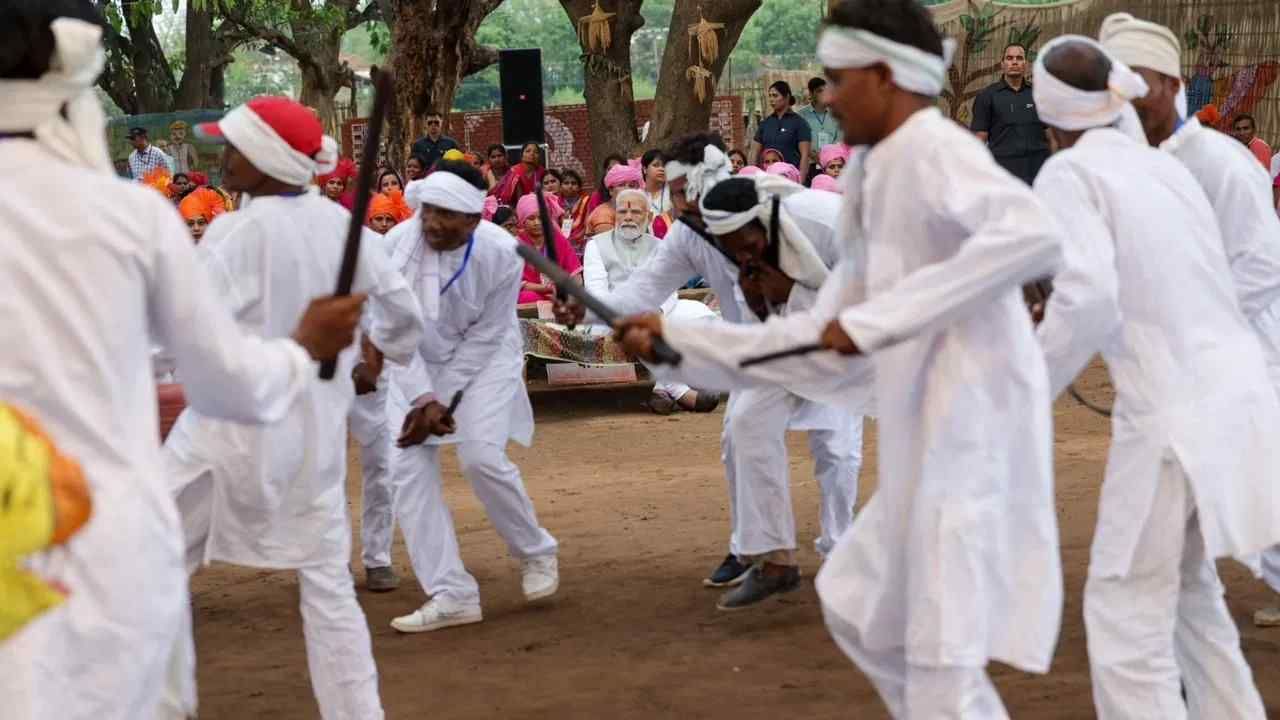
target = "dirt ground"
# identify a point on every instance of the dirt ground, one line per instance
(638, 504)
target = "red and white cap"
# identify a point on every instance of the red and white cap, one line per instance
(281, 137)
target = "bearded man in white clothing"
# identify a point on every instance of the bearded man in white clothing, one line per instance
(1237, 188)
(610, 259)
(1190, 474)
(96, 270)
(466, 276)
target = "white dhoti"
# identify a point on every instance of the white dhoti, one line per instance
(373, 430)
(754, 452)
(1163, 625)
(683, 310)
(1267, 326)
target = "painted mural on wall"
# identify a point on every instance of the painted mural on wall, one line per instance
(1231, 50)
(172, 133)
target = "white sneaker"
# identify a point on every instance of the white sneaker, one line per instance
(436, 614)
(540, 577)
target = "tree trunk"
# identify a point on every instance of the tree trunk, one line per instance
(323, 72)
(607, 77)
(202, 51)
(137, 76)
(677, 110)
(432, 48)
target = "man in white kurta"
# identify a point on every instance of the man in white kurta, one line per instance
(466, 275)
(1238, 189)
(954, 560)
(275, 497)
(753, 443)
(1190, 472)
(609, 260)
(94, 270)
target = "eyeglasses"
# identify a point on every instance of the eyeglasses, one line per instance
(433, 122)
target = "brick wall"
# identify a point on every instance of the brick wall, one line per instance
(568, 138)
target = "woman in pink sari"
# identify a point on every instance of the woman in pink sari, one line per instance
(521, 179)
(534, 286)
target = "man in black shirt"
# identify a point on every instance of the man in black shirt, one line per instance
(432, 145)
(1004, 116)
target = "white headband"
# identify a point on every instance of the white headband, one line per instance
(263, 146)
(914, 70)
(1138, 43)
(715, 166)
(36, 105)
(1069, 108)
(445, 190)
(796, 254)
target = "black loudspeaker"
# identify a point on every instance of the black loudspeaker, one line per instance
(520, 79)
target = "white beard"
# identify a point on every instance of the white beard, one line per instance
(630, 232)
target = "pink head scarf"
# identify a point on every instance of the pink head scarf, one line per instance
(786, 170)
(527, 207)
(826, 182)
(490, 207)
(831, 152)
(622, 174)
(749, 170)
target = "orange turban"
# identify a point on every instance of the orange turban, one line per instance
(345, 170)
(202, 202)
(1209, 115)
(160, 180)
(389, 203)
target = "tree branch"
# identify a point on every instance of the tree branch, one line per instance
(480, 57)
(371, 12)
(269, 35)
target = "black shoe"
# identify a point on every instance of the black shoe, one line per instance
(707, 401)
(759, 586)
(730, 573)
(381, 579)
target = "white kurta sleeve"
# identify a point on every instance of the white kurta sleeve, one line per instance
(483, 340)
(226, 373)
(395, 326)
(594, 274)
(1012, 240)
(1243, 202)
(1083, 309)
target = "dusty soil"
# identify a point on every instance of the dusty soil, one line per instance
(638, 504)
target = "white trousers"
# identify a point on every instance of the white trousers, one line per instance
(754, 451)
(1164, 625)
(372, 428)
(916, 691)
(344, 677)
(427, 524)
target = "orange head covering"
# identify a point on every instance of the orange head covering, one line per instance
(600, 219)
(389, 203)
(160, 180)
(345, 170)
(1209, 115)
(202, 202)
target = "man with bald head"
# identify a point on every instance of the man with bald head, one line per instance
(1238, 189)
(1148, 285)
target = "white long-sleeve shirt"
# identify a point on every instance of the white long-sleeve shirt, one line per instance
(1147, 284)
(94, 271)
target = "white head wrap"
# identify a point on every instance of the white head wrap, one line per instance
(445, 190)
(1139, 43)
(796, 255)
(35, 105)
(270, 153)
(914, 70)
(715, 166)
(1069, 108)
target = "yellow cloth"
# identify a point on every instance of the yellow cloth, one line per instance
(27, 518)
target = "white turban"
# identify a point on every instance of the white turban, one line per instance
(1139, 43)
(715, 166)
(796, 255)
(914, 70)
(1068, 108)
(445, 190)
(253, 136)
(36, 105)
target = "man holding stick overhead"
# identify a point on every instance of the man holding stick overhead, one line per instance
(275, 497)
(466, 274)
(96, 269)
(753, 444)
(954, 561)
(1191, 475)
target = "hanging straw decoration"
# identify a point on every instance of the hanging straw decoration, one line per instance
(701, 81)
(593, 30)
(708, 42)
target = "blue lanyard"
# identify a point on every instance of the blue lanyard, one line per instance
(466, 257)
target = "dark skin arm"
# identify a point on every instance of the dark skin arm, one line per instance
(366, 373)
(423, 422)
(328, 326)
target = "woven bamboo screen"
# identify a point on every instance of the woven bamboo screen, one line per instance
(1230, 48)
